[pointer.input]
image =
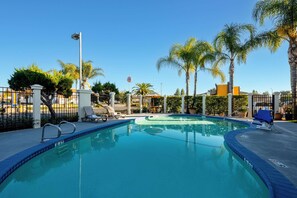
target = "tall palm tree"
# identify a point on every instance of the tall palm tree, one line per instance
(284, 16)
(181, 58)
(143, 88)
(88, 72)
(71, 70)
(203, 53)
(229, 46)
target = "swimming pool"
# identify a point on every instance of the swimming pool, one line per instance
(160, 159)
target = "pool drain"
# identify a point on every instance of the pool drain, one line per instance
(278, 163)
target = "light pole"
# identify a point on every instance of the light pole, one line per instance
(78, 36)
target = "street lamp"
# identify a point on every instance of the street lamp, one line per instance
(78, 36)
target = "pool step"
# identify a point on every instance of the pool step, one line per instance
(62, 149)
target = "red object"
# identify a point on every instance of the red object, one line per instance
(129, 79)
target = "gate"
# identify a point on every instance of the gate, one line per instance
(264, 102)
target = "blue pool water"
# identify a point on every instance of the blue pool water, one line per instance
(154, 157)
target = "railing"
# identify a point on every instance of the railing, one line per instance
(60, 131)
(64, 108)
(15, 109)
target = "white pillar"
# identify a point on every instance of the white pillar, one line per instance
(250, 105)
(183, 105)
(112, 96)
(128, 104)
(36, 105)
(203, 104)
(276, 103)
(84, 99)
(165, 104)
(140, 104)
(229, 104)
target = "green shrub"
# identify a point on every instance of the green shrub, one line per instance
(174, 104)
(216, 105)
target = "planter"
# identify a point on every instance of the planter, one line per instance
(278, 116)
(192, 110)
(242, 114)
(289, 116)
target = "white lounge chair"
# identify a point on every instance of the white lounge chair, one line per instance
(90, 115)
(112, 113)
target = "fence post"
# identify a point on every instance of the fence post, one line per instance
(165, 104)
(203, 104)
(250, 105)
(229, 104)
(84, 99)
(140, 104)
(36, 105)
(183, 105)
(276, 103)
(112, 95)
(128, 104)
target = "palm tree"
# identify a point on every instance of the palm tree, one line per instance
(203, 53)
(181, 58)
(143, 88)
(71, 70)
(284, 16)
(88, 72)
(230, 47)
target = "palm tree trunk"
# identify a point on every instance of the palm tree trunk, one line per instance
(187, 90)
(292, 54)
(195, 87)
(231, 74)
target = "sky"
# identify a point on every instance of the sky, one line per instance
(126, 38)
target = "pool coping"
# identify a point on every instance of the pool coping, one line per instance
(10, 164)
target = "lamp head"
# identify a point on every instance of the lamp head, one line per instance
(75, 36)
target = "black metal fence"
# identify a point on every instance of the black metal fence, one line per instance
(265, 102)
(16, 109)
(286, 106)
(64, 109)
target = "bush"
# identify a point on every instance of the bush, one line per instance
(240, 103)
(174, 104)
(216, 105)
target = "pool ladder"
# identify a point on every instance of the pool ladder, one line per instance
(60, 132)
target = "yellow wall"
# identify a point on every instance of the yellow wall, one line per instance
(222, 90)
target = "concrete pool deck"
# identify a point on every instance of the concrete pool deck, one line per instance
(277, 147)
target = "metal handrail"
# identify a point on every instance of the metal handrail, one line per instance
(52, 125)
(66, 122)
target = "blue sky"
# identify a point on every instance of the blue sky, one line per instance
(128, 37)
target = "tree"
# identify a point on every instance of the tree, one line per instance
(110, 87)
(181, 58)
(70, 69)
(53, 83)
(143, 89)
(203, 53)
(97, 87)
(229, 46)
(182, 92)
(284, 16)
(266, 93)
(255, 92)
(177, 92)
(88, 72)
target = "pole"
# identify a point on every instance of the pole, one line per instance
(80, 60)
